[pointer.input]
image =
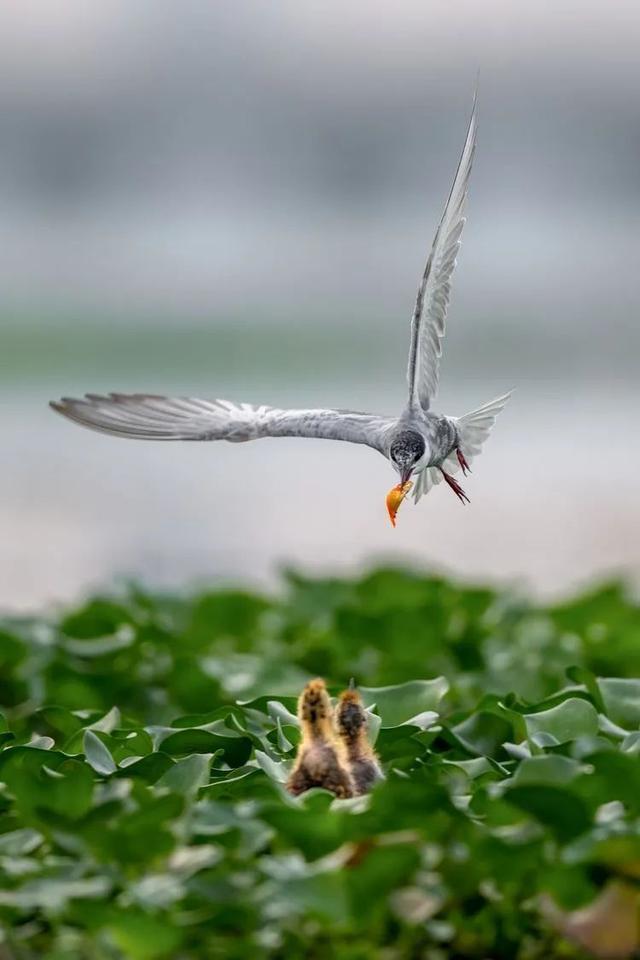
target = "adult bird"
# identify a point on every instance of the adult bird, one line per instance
(419, 443)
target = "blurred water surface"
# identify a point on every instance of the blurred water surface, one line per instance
(78, 508)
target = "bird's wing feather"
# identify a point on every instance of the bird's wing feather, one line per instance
(149, 417)
(430, 313)
(473, 430)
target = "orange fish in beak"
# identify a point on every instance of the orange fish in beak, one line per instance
(395, 497)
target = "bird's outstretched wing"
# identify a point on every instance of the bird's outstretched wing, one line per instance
(430, 313)
(147, 417)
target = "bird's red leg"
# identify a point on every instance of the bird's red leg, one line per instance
(462, 460)
(455, 486)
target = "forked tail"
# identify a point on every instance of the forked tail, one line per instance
(473, 430)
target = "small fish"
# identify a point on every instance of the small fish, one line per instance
(395, 497)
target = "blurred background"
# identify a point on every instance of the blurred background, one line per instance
(237, 200)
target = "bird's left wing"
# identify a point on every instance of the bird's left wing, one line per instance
(430, 313)
(148, 417)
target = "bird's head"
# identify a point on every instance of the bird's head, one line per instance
(406, 451)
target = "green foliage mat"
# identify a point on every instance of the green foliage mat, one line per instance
(146, 741)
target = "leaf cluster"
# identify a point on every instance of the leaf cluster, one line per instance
(146, 739)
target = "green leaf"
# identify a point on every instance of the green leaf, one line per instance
(621, 700)
(144, 936)
(566, 815)
(377, 873)
(284, 745)
(149, 768)
(46, 781)
(20, 843)
(187, 775)
(98, 618)
(97, 754)
(482, 733)
(400, 703)
(570, 720)
(552, 769)
(236, 750)
(278, 771)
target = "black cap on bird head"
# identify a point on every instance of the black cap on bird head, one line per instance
(406, 450)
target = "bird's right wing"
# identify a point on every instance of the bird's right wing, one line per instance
(147, 417)
(430, 312)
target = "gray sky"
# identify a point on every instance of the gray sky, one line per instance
(208, 159)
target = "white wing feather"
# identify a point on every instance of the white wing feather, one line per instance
(149, 417)
(473, 430)
(430, 313)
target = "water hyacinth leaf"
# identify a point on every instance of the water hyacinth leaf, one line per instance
(108, 722)
(618, 852)
(588, 679)
(41, 743)
(263, 704)
(570, 886)
(374, 723)
(59, 719)
(621, 701)
(99, 618)
(566, 815)
(203, 719)
(100, 646)
(477, 824)
(97, 754)
(471, 768)
(229, 781)
(570, 720)
(19, 843)
(308, 825)
(631, 743)
(553, 769)
(143, 936)
(52, 894)
(279, 712)
(44, 780)
(401, 702)
(100, 723)
(612, 776)
(284, 745)
(274, 769)
(318, 895)
(375, 873)
(149, 768)
(187, 775)
(482, 733)
(236, 750)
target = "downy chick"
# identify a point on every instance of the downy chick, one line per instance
(321, 760)
(351, 723)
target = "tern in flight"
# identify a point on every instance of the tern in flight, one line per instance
(419, 443)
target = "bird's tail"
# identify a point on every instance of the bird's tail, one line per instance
(473, 430)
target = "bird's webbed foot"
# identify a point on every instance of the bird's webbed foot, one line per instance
(455, 486)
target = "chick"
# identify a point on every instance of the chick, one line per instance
(351, 724)
(321, 759)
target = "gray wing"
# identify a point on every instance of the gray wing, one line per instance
(430, 313)
(147, 417)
